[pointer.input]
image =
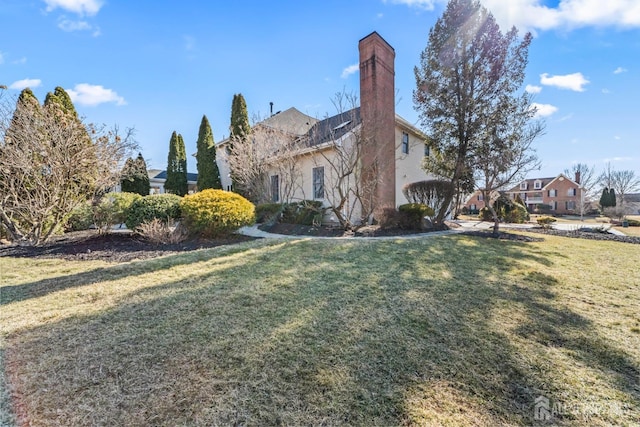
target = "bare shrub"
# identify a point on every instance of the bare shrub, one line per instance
(161, 232)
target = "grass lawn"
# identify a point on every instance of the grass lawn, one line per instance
(450, 330)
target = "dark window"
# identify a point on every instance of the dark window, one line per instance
(427, 151)
(570, 205)
(318, 182)
(405, 143)
(275, 188)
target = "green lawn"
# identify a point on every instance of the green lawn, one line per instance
(449, 330)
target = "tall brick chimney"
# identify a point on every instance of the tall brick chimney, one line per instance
(377, 109)
(577, 177)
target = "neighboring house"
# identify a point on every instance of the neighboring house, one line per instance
(561, 194)
(631, 204)
(158, 177)
(397, 147)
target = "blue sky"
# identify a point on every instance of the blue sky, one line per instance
(160, 65)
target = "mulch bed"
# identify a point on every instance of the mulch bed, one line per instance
(114, 247)
(587, 234)
(328, 231)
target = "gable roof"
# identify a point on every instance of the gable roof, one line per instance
(290, 121)
(545, 182)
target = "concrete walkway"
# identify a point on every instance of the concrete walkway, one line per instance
(254, 231)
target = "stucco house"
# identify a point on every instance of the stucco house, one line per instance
(389, 144)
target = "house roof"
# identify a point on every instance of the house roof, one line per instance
(632, 198)
(162, 175)
(290, 121)
(333, 128)
(545, 182)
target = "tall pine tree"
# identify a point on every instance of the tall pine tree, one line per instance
(240, 127)
(135, 178)
(176, 182)
(208, 172)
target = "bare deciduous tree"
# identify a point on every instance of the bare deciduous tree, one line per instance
(588, 182)
(263, 152)
(49, 164)
(340, 145)
(625, 182)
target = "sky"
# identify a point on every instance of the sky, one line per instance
(159, 66)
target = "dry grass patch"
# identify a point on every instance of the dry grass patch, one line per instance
(441, 331)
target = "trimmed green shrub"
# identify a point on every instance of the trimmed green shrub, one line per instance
(413, 214)
(268, 212)
(81, 218)
(165, 207)
(113, 209)
(216, 212)
(633, 222)
(546, 221)
(304, 212)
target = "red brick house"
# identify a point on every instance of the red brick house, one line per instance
(560, 194)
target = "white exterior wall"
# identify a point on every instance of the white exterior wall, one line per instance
(223, 167)
(408, 166)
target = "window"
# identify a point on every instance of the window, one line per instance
(552, 193)
(427, 150)
(537, 185)
(570, 205)
(523, 185)
(275, 188)
(405, 143)
(318, 182)
(554, 205)
(480, 197)
(571, 192)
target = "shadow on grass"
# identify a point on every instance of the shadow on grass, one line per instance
(13, 293)
(315, 333)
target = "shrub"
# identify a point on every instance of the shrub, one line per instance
(432, 193)
(268, 212)
(413, 214)
(81, 218)
(160, 232)
(633, 222)
(113, 209)
(165, 207)
(485, 214)
(215, 212)
(388, 218)
(304, 212)
(546, 221)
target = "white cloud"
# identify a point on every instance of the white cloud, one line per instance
(1, 58)
(92, 95)
(606, 91)
(422, 4)
(533, 89)
(70, 26)
(25, 83)
(531, 15)
(351, 69)
(575, 81)
(80, 7)
(20, 61)
(620, 70)
(544, 110)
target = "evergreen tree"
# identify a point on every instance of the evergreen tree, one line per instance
(240, 127)
(135, 178)
(612, 197)
(208, 172)
(176, 182)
